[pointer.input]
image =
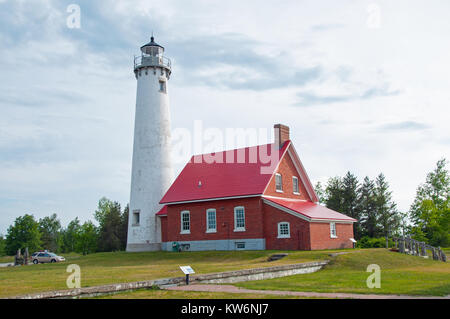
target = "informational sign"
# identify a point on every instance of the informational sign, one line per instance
(187, 270)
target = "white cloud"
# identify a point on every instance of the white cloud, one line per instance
(67, 96)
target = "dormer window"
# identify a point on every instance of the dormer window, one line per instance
(278, 183)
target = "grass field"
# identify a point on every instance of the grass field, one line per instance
(107, 268)
(400, 274)
(169, 294)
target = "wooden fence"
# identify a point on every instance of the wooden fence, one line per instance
(418, 248)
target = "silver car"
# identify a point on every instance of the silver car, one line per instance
(45, 257)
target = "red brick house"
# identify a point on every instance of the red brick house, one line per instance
(217, 203)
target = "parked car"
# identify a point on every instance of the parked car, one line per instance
(46, 257)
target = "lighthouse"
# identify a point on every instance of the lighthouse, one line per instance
(151, 166)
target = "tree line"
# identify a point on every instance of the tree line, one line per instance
(368, 201)
(47, 233)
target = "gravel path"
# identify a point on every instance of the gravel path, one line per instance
(233, 289)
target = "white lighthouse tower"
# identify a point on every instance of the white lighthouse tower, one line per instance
(151, 168)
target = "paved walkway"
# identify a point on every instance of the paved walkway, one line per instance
(6, 264)
(237, 290)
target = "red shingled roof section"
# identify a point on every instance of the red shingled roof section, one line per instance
(310, 209)
(220, 180)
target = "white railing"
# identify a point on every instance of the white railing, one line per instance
(150, 60)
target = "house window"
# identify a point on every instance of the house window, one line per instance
(162, 86)
(295, 185)
(185, 222)
(240, 245)
(278, 183)
(136, 217)
(239, 219)
(333, 233)
(284, 230)
(211, 224)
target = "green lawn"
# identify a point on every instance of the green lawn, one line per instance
(170, 294)
(400, 274)
(107, 268)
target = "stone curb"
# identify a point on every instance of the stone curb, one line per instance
(221, 276)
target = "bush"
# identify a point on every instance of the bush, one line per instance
(368, 242)
(2, 246)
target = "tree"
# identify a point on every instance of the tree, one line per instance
(71, 235)
(367, 208)
(123, 231)
(350, 201)
(24, 233)
(87, 239)
(430, 211)
(320, 192)
(50, 228)
(333, 194)
(109, 217)
(387, 214)
(2, 246)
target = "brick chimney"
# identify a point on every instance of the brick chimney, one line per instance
(281, 134)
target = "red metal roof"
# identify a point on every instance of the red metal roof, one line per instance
(162, 211)
(309, 209)
(203, 179)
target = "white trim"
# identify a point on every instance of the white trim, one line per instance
(289, 230)
(211, 199)
(276, 184)
(278, 165)
(333, 227)
(286, 210)
(302, 174)
(238, 229)
(308, 219)
(298, 186)
(187, 231)
(211, 230)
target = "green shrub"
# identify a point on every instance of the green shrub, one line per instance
(368, 242)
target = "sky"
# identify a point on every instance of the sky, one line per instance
(363, 86)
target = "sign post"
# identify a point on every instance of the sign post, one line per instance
(187, 270)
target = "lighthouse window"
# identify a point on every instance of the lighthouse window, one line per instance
(162, 86)
(185, 222)
(136, 217)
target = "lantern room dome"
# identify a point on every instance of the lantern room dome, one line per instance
(152, 47)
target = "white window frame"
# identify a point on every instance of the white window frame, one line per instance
(137, 213)
(295, 178)
(240, 243)
(333, 231)
(280, 235)
(281, 183)
(211, 230)
(185, 231)
(236, 229)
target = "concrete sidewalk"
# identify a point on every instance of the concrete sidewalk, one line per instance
(237, 290)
